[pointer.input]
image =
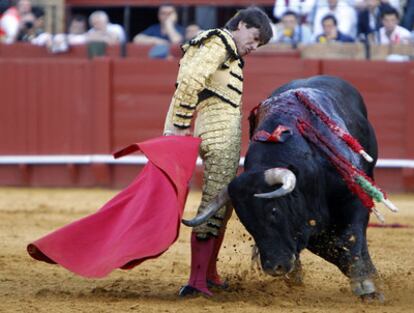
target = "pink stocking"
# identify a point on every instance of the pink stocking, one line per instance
(201, 253)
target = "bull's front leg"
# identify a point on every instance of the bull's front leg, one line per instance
(350, 249)
(361, 271)
(349, 252)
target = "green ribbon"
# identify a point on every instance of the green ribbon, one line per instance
(370, 189)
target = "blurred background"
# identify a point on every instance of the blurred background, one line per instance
(81, 79)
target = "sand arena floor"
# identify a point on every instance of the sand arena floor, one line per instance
(30, 286)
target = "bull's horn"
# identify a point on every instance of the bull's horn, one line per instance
(275, 176)
(221, 199)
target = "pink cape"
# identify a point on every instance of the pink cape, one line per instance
(139, 223)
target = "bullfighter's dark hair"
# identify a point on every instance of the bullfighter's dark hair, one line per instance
(329, 17)
(253, 17)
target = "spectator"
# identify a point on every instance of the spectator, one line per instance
(26, 31)
(103, 30)
(302, 8)
(408, 19)
(33, 27)
(331, 32)
(344, 14)
(289, 31)
(77, 35)
(396, 4)
(191, 31)
(166, 32)
(77, 31)
(162, 51)
(391, 32)
(369, 19)
(59, 43)
(13, 20)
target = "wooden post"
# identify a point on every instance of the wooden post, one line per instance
(54, 14)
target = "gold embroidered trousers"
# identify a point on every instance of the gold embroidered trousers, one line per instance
(218, 124)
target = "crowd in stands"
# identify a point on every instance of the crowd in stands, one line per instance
(321, 21)
(24, 23)
(296, 22)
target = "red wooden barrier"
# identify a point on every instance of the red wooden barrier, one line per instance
(142, 91)
(52, 106)
(45, 106)
(26, 50)
(80, 106)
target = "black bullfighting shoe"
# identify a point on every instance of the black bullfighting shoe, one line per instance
(187, 290)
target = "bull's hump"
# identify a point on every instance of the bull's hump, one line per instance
(287, 103)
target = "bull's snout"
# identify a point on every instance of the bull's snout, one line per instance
(279, 268)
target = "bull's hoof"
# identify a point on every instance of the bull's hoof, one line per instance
(190, 291)
(218, 285)
(373, 297)
(295, 277)
(294, 280)
(367, 291)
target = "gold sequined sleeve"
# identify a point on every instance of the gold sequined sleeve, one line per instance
(197, 65)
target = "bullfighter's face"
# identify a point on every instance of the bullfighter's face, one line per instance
(246, 39)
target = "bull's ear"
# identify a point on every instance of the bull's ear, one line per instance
(284, 133)
(279, 135)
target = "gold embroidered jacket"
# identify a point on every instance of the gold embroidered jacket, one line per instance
(210, 66)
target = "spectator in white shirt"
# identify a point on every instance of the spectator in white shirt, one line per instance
(77, 30)
(103, 30)
(301, 7)
(391, 32)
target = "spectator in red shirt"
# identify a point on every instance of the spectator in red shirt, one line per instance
(13, 19)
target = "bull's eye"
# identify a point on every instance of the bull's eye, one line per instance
(273, 216)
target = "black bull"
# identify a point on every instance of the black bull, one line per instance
(320, 213)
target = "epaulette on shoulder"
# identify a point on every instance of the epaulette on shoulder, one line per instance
(200, 38)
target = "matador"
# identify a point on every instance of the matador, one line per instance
(210, 85)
